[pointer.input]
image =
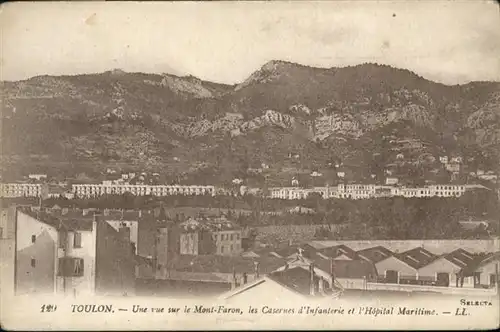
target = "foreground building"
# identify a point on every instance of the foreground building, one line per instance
(291, 285)
(71, 257)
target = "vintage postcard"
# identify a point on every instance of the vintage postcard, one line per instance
(250, 165)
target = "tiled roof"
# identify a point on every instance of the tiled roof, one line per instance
(223, 264)
(460, 257)
(480, 261)
(375, 254)
(296, 279)
(339, 250)
(355, 269)
(417, 257)
(307, 250)
(82, 223)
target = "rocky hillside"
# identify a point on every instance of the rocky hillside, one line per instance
(188, 126)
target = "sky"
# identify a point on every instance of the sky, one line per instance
(451, 42)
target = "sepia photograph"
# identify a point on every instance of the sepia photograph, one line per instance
(250, 165)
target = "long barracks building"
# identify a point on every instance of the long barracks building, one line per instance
(363, 191)
(93, 190)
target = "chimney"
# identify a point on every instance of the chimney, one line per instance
(245, 278)
(311, 283)
(256, 269)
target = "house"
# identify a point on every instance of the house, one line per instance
(391, 181)
(457, 159)
(400, 156)
(211, 236)
(295, 182)
(301, 210)
(445, 270)
(286, 286)
(237, 181)
(70, 256)
(485, 271)
(37, 177)
(443, 159)
(453, 167)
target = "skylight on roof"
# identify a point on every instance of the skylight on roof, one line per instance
(413, 259)
(425, 253)
(466, 255)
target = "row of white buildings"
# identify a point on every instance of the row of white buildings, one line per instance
(364, 191)
(23, 190)
(95, 189)
(92, 190)
(348, 191)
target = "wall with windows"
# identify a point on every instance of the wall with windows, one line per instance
(76, 262)
(35, 256)
(228, 242)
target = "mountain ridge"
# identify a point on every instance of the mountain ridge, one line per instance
(96, 118)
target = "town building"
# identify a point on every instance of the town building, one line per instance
(11, 190)
(37, 177)
(445, 270)
(94, 190)
(68, 256)
(218, 236)
(391, 181)
(485, 271)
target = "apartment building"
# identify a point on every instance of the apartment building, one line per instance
(210, 236)
(76, 257)
(93, 190)
(11, 190)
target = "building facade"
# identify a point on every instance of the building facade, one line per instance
(11, 190)
(93, 190)
(365, 191)
(83, 257)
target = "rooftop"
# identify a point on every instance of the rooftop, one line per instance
(224, 264)
(417, 257)
(375, 254)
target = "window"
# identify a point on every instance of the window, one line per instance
(237, 236)
(232, 235)
(77, 240)
(33, 238)
(78, 267)
(33, 262)
(231, 247)
(221, 249)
